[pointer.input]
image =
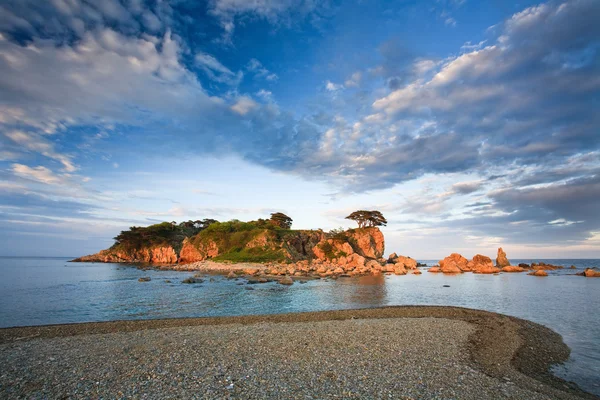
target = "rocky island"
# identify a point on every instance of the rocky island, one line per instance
(270, 248)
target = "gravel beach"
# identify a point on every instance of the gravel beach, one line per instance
(392, 352)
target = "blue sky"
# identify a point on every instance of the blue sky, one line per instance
(470, 127)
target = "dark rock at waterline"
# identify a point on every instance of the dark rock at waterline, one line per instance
(254, 281)
(446, 286)
(286, 281)
(192, 280)
(144, 279)
(526, 266)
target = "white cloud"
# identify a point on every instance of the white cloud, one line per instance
(259, 71)
(332, 87)
(40, 174)
(33, 142)
(354, 80)
(244, 105)
(274, 11)
(217, 71)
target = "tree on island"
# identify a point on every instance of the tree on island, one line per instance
(281, 220)
(368, 218)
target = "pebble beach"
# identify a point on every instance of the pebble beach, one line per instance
(391, 352)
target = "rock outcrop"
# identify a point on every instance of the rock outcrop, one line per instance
(482, 265)
(154, 255)
(189, 253)
(591, 273)
(353, 248)
(501, 260)
(539, 272)
(454, 264)
(406, 262)
(512, 268)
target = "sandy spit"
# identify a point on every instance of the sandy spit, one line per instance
(423, 352)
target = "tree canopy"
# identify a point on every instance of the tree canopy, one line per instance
(281, 220)
(366, 218)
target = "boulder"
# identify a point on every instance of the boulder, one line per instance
(434, 269)
(416, 272)
(192, 280)
(231, 275)
(373, 264)
(524, 266)
(501, 260)
(453, 264)
(251, 271)
(286, 280)
(539, 272)
(482, 265)
(408, 262)
(573, 267)
(591, 273)
(399, 269)
(512, 268)
(392, 258)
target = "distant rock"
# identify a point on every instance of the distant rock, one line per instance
(192, 280)
(573, 267)
(482, 265)
(591, 273)
(501, 260)
(524, 266)
(416, 272)
(512, 268)
(434, 269)
(539, 272)
(144, 279)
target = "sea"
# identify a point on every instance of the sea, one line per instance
(45, 290)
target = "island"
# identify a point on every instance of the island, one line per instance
(269, 248)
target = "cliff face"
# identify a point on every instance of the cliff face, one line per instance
(260, 245)
(154, 255)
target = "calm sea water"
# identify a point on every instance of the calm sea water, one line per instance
(35, 291)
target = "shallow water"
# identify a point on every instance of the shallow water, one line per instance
(35, 291)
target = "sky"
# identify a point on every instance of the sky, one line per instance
(469, 125)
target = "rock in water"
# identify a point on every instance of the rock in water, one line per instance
(512, 268)
(591, 273)
(454, 264)
(501, 260)
(539, 272)
(482, 265)
(192, 280)
(144, 279)
(286, 280)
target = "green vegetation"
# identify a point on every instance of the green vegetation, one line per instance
(330, 251)
(163, 234)
(232, 237)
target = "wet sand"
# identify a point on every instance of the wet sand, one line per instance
(391, 352)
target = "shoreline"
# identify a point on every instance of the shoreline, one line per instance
(501, 346)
